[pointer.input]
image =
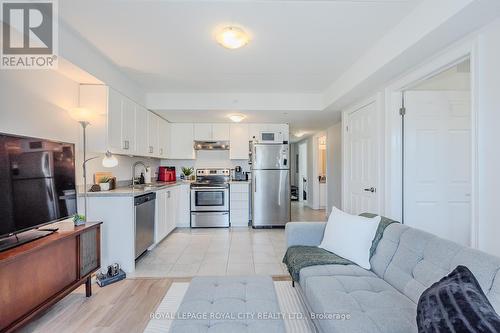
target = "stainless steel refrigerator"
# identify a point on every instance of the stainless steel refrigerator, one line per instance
(270, 184)
(34, 191)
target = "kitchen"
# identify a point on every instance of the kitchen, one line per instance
(218, 152)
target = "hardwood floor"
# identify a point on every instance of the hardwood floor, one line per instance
(121, 307)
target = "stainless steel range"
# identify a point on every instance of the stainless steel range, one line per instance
(210, 198)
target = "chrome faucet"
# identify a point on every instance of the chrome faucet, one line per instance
(133, 170)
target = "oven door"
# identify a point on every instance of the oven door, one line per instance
(209, 199)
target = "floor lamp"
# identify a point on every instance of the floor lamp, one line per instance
(83, 116)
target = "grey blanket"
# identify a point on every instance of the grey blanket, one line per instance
(298, 257)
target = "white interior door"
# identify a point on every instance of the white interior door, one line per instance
(303, 171)
(362, 167)
(437, 163)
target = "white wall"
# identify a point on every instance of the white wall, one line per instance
(486, 83)
(334, 166)
(208, 159)
(35, 103)
(489, 138)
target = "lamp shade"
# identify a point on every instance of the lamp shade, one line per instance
(109, 161)
(81, 114)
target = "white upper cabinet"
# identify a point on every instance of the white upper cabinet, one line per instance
(113, 107)
(220, 132)
(211, 132)
(203, 132)
(153, 123)
(141, 125)
(239, 141)
(128, 126)
(120, 125)
(163, 138)
(182, 141)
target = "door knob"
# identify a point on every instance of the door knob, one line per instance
(371, 189)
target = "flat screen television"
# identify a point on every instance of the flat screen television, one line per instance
(37, 183)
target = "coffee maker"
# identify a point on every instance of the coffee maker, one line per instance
(239, 175)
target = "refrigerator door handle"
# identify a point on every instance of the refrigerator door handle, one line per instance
(255, 184)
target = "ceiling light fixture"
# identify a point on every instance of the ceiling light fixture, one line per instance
(299, 134)
(232, 37)
(236, 117)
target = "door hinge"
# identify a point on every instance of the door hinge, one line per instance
(402, 111)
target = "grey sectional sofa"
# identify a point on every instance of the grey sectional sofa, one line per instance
(384, 299)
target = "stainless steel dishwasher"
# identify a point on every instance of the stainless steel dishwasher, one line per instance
(144, 222)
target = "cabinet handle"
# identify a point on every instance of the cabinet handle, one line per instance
(168, 194)
(125, 144)
(150, 149)
(161, 151)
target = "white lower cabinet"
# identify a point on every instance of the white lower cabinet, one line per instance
(184, 212)
(161, 215)
(172, 210)
(239, 204)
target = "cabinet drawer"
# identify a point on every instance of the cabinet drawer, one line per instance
(239, 196)
(238, 205)
(239, 218)
(240, 188)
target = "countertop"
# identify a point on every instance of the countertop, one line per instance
(128, 191)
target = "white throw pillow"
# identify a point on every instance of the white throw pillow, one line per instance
(350, 236)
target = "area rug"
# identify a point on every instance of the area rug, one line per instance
(290, 301)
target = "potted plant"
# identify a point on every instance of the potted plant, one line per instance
(187, 172)
(104, 183)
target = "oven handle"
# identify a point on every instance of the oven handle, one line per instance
(208, 188)
(209, 213)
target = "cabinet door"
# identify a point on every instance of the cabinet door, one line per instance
(128, 125)
(181, 141)
(239, 142)
(168, 128)
(161, 215)
(203, 132)
(184, 206)
(174, 208)
(163, 138)
(141, 130)
(115, 106)
(220, 132)
(153, 123)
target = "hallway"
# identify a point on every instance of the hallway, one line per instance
(302, 213)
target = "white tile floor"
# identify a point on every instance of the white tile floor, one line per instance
(235, 251)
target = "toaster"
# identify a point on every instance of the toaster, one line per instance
(166, 174)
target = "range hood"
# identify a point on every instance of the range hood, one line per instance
(211, 145)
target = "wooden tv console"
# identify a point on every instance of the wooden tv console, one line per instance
(35, 275)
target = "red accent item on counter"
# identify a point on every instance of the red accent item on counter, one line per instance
(166, 174)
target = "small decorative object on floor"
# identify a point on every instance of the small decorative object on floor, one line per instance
(78, 219)
(105, 279)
